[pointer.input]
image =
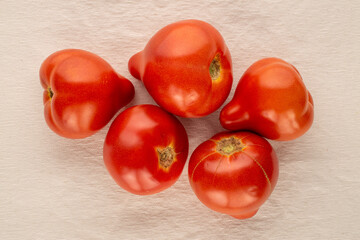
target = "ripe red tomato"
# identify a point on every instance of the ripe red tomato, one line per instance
(81, 92)
(145, 149)
(272, 100)
(234, 173)
(186, 68)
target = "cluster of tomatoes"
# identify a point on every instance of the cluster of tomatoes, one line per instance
(186, 67)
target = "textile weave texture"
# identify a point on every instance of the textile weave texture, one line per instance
(56, 188)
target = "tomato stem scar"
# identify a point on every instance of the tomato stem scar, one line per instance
(166, 157)
(50, 92)
(229, 146)
(215, 68)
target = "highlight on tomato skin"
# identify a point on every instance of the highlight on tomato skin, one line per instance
(272, 100)
(82, 92)
(234, 173)
(145, 149)
(186, 67)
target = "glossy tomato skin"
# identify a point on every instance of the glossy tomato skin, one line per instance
(186, 67)
(234, 173)
(271, 100)
(81, 92)
(133, 145)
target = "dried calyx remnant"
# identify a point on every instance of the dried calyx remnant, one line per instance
(228, 146)
(50, 92)
(215, 68)
(166, 157)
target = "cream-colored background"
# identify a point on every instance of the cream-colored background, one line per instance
(56, 188)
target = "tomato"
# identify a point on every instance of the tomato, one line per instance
(145, 149)
(234, 173)
(186, 68)
(272, 100)
(81, 92)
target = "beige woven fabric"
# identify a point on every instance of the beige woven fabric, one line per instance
(55, 188)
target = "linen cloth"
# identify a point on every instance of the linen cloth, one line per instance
(56, 188)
